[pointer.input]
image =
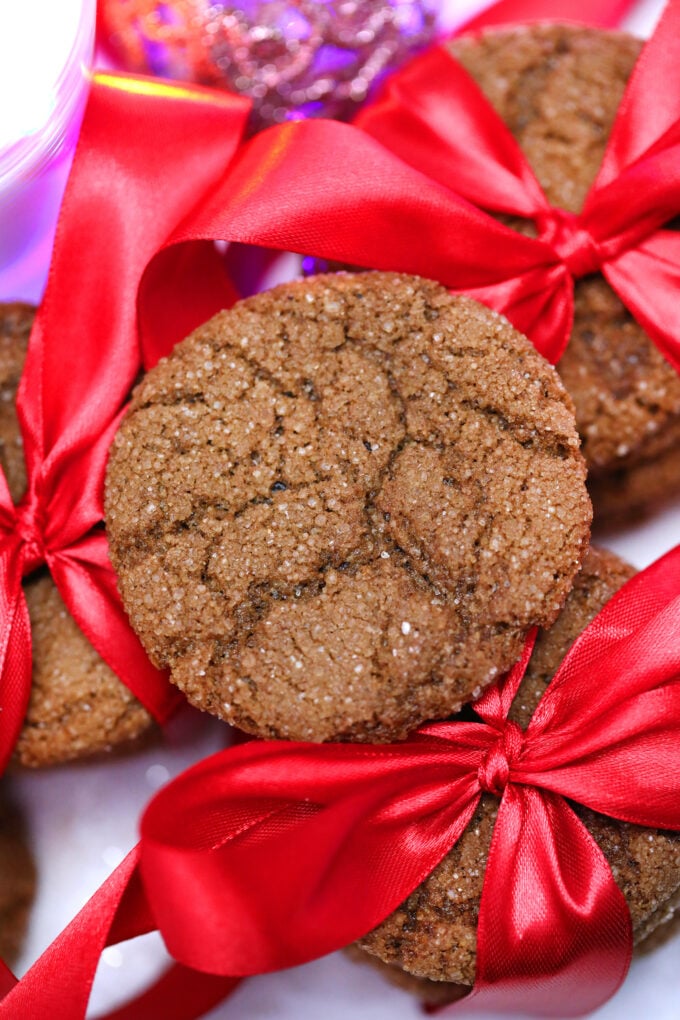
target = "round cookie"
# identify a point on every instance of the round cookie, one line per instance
(337, 508)
(78, 706)
(558, 89)
(433, 934)
(17, 881)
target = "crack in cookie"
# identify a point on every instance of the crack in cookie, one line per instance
(350, 527)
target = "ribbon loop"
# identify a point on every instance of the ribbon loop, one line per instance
(571, 241)
(434, 118)
(147, 149)
(494, 771)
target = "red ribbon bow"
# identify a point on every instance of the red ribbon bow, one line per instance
(140, 160)
(334, 191)
(434, 117)
(270, 854)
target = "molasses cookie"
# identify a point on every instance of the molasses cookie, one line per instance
(433, 934)
(558, 89)
(17, 880)
(78, 706)
(336, 509)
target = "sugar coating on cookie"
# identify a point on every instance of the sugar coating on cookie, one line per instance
(337, 508)
(558, 88)
(433, 934)
(78, 706)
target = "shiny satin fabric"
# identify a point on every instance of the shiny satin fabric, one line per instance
(405, 188)
(271, 853)
(144, 154)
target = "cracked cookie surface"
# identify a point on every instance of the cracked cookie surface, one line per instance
(78, 707)
(558, 89)
(336, 509)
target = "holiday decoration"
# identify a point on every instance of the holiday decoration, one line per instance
(445, 116)
(272, 853)
(311, 189)
(87, 348)
(307, 58)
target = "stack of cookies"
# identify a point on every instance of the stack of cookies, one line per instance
(429, 943)
(336, 511)
(78, 706)
(558, 89)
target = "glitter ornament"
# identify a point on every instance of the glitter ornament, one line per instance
(301, 59)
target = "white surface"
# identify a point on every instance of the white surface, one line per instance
(83, 820)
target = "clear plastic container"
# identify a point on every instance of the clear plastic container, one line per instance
(45, 58)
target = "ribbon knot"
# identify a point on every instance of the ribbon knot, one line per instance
(28, 531)
(497, 762)
(436, 120)
(574, 244)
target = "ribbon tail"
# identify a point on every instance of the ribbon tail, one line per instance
(647, 278)
(600, 13)
(554, 935)
(87, 584)
(179, 994)
(15, 654)
(496, 701)
(60, 981)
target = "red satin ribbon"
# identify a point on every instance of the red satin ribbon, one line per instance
(179, 994)
(334, 191)
(146, 150)
(434, 116)
(272, 853)
(600, 13)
